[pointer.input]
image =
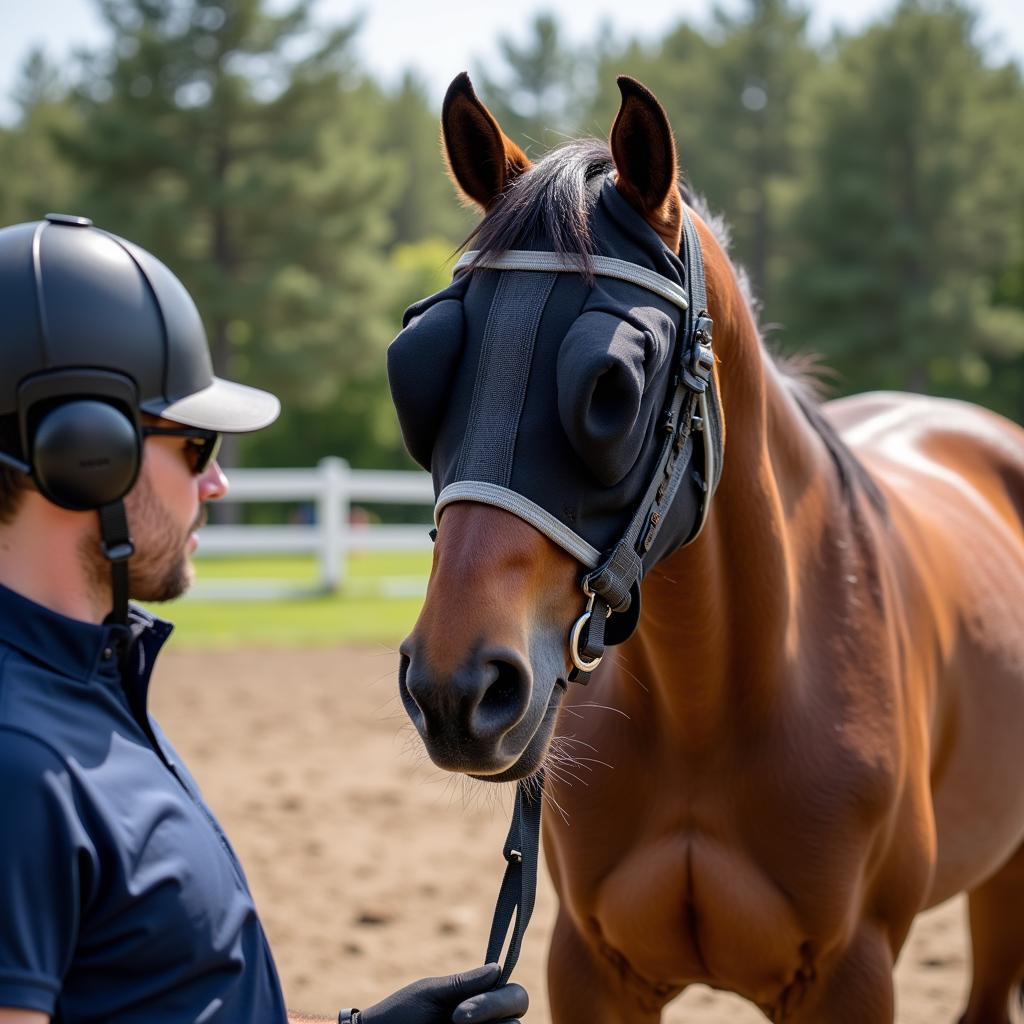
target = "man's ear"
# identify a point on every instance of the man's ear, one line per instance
(646, 168)
(482, 160)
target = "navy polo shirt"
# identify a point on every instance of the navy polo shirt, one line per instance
(121, 899)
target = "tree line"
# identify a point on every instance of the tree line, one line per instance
(871, 183)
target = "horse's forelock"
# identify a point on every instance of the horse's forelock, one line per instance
(554, 198)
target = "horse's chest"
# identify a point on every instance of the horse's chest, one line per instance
(686, 908)
(741, 888)
(739, 869)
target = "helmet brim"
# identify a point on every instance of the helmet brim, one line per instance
(224, 406)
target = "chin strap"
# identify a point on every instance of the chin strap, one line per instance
(519, 885)
(117, 548)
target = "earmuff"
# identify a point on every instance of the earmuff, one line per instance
(84, 451)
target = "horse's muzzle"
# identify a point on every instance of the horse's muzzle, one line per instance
(477, 718)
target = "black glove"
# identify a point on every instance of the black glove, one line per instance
(467, 998)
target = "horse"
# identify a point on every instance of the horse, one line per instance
(811, 730)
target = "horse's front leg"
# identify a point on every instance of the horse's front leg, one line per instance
(587, 988)
(856, 987)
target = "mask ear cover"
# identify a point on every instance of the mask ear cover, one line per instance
(422, 364)
(605, 366)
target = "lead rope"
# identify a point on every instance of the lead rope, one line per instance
(518, 890)
(519, 885)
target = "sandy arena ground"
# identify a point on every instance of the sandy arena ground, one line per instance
(370, 867)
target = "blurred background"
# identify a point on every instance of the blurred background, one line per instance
(283, 159)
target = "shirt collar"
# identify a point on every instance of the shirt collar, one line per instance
(70, 646)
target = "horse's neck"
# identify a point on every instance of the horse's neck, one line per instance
(720, 615)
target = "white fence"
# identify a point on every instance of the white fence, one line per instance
(332, 488)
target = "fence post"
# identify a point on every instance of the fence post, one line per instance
(332, 517)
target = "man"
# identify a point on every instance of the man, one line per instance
(121, 899)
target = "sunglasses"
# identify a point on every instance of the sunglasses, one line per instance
(202, 448)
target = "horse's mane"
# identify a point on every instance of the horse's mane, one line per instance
(854, 479)
(555, 198)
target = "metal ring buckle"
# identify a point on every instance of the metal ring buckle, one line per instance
(577, 631)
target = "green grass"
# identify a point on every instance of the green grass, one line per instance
(303, 568)
(364, 611)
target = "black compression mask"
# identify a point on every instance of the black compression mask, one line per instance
(545, 392)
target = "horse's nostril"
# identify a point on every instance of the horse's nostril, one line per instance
(502, 693)
(407, 691)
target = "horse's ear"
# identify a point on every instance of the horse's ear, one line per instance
(644, 152)
(482, 160)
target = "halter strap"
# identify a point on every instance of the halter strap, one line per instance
(689, 411)
(578, 263)
(710, 411)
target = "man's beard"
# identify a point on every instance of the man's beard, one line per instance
(160, 569)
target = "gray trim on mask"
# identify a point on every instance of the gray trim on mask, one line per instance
(603, 266)
(501, 497)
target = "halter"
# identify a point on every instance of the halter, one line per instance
(691, 406)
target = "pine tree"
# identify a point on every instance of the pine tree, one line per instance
(735, 97)
(765, 65)
(535, 96)
(36, 177)
(905, 215)
(250, 171)
(426, 205)
(1005, 363)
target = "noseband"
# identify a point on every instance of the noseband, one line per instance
(691, 407)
